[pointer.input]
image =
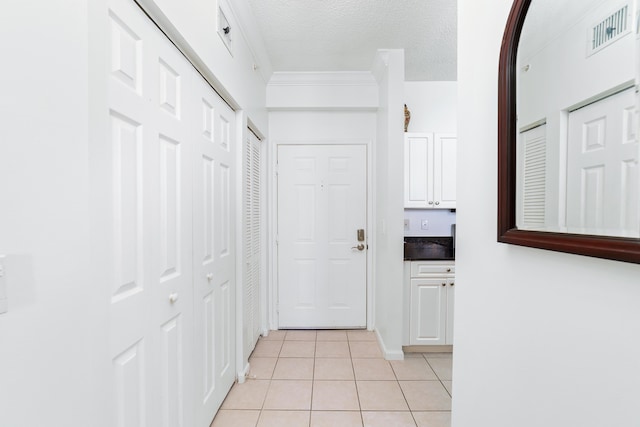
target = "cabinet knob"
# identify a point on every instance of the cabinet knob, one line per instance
(448, 270)
(437, 203)
(444, 284)
(430, 202)
(452, 283)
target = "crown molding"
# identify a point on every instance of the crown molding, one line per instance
(323, 78)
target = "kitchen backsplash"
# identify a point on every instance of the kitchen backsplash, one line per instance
(438, 222)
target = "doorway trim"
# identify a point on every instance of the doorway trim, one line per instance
(272, 282)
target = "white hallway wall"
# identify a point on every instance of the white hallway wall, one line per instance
(49, 369)
(433, 106)
(54, 364)
(542, 338)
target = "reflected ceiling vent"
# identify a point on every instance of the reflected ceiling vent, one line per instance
(609, 29)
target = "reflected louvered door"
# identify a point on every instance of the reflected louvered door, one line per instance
(534, 144)
(252, 242)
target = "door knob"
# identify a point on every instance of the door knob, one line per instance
(360, 247)
(210, 277)
(173, 298)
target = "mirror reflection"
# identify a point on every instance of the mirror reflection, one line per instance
(577, 107)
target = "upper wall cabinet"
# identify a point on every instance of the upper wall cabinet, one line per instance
(430, 170)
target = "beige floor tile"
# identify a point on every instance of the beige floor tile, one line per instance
(333, 369)
(298, 349)
(331, 336)
(267, 349)
(381, 396)
(373, 369)
(275, 336)
(332, 349)
(362, 349)
(441, 366)
(413, 369)
(433, 419)
(408, 355)
(426, 395)
(336, 419)
(448, 386)
(361, 335)
(441, 355)
(289, 395)
(261, 368)
(294, 368)
(300, 336)
(235, 418)
(249, 395)
(335, 396)
(388, 419)
(284, 419)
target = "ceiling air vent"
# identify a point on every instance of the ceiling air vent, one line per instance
(610, 29)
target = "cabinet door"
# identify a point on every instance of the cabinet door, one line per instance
(418, 170)
(444, 171)
(451, 296)
(428, 311)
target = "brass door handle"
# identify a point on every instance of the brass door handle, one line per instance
(360, 247)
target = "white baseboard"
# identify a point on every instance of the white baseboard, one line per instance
(388, 353)
(242, 375)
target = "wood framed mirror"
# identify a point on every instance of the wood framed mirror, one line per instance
(573, 207)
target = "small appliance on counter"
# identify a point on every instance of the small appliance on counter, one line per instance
(453, 236)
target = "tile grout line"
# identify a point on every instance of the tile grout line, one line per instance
(437, 376)
(313, 378)
(355, 382)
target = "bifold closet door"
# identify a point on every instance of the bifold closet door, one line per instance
(168, 186)
(214, 253)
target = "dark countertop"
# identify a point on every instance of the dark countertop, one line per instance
(429, 249)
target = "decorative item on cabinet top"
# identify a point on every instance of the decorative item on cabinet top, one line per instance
(407, 117)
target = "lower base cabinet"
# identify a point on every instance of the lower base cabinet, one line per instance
(432, 299)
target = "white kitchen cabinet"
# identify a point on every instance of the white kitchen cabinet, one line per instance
(432, 296)
(430, 170)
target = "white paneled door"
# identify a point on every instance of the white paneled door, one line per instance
(602, 167)
(322, 198)
(214, 252)
(167, 185)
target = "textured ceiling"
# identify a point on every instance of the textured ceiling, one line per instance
(343, 35)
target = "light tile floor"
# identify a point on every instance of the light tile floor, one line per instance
(338, 379)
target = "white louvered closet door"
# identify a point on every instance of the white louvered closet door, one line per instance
(252, 241)
(534, 147)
